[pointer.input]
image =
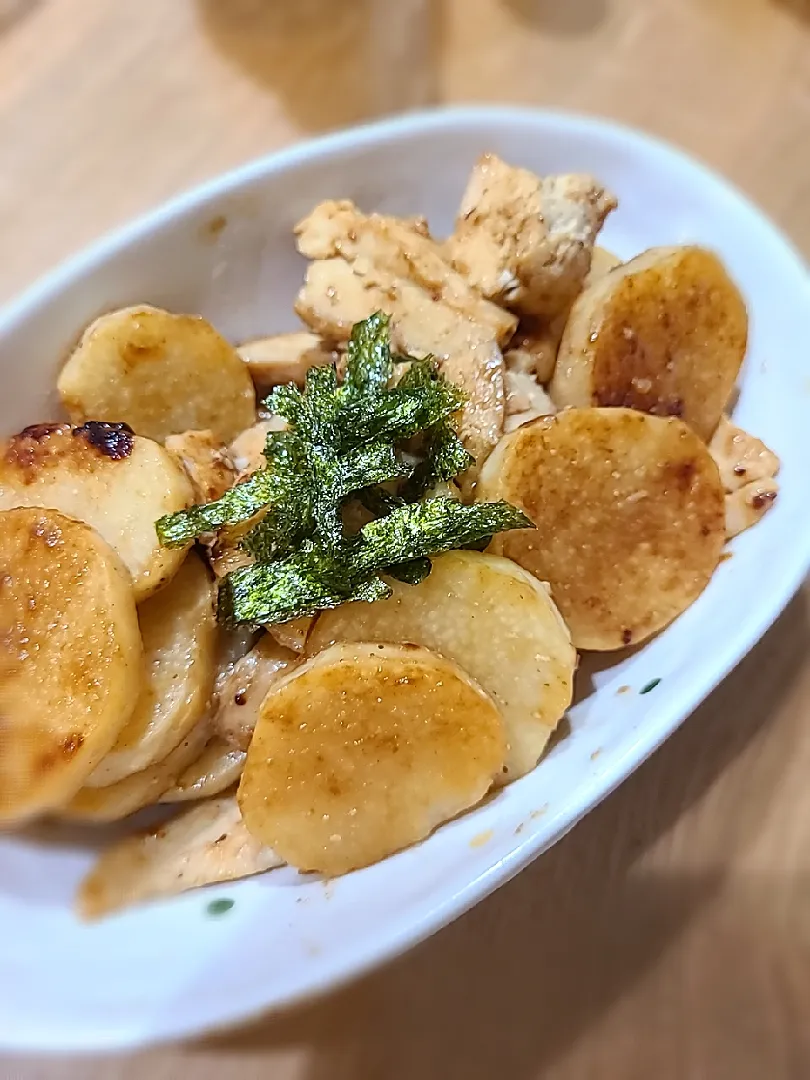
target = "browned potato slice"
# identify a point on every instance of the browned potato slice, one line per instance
(100, 473)
(284, 358)
(241, 693)
(204, 845)
(496, 621)
(179, 631)
(159, 372)
(665, 333)
(206, 462)
(629, 514)
(70, 657)
(217, 768)
(364, 750)
(140, 789)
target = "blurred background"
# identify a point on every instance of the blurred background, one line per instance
(677, 944)
(108, 108)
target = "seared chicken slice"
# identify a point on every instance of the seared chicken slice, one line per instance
(247, 450)
(746, 505)
(370, 263)
(204, 845)
(533, 349)
(205, 460)
(284, 358)
(242, 691)
(741, 457)
(748, 470)
(387, 248)
(526, 241)
(525, 400)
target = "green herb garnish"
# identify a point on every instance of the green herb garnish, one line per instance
(344, 442)
(651, 685)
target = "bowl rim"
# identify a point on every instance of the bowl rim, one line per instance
(426, 920)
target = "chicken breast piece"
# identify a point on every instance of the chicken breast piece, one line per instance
(284, 358)
(748, 470)
(740, 457)
(247, 450)
(241, 693)
(526, 241)
(534, 347)
(205, 460)
(389, 248)
(525, 400)
(372, 263)
(206, 844)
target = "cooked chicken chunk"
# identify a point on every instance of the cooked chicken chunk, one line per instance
(533, 349)
(387, 249)
(284, 358)
(748, 470)
(206, 461)
(242, 691)
(370, 263)
(746, 505)
(526, 241)
(741, 457)
(525, 400)
(247, 450)
(206, 844)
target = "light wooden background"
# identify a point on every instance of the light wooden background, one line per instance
(668, 937)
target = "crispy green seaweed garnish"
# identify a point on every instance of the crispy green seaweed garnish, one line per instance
(427, 528)
(316, 577)
(445, 454)
(239, 504)
(344, 441)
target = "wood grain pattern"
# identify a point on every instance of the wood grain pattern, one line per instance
(669, 935)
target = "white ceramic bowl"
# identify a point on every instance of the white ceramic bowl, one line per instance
(226, 251)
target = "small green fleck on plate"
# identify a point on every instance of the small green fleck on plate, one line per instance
(651, 685)
(219, 907)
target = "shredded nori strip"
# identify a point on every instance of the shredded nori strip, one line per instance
(316, 577)
(343, 442)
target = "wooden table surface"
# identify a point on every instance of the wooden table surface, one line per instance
(669, 935)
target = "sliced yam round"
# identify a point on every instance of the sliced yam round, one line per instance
(364, 750)
(629, 515)
(665, 333)
(160, 373)
(102, 474)
(241, 693)
(204, 845)
(217, 768)
(179, 631)
(139, 790)
(70, 657)
(496, 621)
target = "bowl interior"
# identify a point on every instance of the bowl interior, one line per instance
(226, 252)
